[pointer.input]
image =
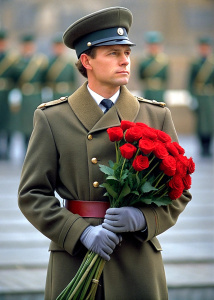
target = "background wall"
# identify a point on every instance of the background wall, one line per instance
(181, 21)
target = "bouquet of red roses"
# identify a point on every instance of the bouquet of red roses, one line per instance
(149, 169)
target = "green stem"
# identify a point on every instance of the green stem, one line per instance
(65, 293)
(117, 144)
(161, 177)
(121, 172)
(90, 277)
(136, 154)
(92, 293)
(83, 276)
(151, 170)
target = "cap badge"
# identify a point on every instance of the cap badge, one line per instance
(120, 31)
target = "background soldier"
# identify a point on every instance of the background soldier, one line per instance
(30, 78)
(7, 61)
(201, 86)
(61, 73)
(153, 69)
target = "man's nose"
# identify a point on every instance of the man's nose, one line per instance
(125, 60)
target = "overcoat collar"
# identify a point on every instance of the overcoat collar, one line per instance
(92, 117)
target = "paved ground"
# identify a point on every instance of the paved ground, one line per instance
(188, 247)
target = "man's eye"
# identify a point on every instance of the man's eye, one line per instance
(113, 53)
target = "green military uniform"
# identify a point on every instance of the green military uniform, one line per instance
(153, 71)
(30, 79)
(61, 74)
(68, 141)
(63, 162)
(201, 87)
(7, 62)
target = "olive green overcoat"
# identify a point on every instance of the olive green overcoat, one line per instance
(59, 159)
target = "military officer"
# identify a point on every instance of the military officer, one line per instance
(68, 142)
(7, 61)
(153, 68)
(201, 87)
(61, 72)
(30, 80)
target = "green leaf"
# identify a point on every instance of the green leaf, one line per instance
(147, 187)
(110, 190)
(124, 192)
(111, 164)
(162, 201)
(112, 178)
(106, 170)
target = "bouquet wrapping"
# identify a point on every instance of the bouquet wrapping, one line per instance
(149, 169)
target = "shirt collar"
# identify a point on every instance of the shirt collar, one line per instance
(99, 98)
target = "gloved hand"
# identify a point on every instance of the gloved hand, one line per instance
(100, 240)
(124, 219)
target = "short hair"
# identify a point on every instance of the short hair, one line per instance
(90, 52)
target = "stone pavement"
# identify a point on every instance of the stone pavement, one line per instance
(188, 247)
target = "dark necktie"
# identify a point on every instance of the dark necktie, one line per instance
(107, 104)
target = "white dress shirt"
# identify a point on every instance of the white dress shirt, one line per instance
(99, 98)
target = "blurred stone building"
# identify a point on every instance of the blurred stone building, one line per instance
(182, 22)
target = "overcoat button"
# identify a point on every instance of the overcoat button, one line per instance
(90, 137)
(95, 184)
(94, 160)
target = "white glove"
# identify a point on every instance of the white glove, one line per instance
(124, 219)
(100, 240)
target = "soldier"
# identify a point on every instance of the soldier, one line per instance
(68, 142)
(201, 87)
(30, 79)
(61, 72)
(153, 69)
(7, 61)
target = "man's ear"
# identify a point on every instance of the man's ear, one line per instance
(85, 60)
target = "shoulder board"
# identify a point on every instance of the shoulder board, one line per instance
(154, 102)
(54, 102)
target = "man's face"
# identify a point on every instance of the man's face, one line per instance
(110, 67)
(154, 48)
(205, 50)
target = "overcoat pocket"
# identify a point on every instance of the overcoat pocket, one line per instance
(155, 244)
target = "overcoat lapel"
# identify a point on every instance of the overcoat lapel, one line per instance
(92, 117)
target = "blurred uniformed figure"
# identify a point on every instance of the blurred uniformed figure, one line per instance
(7, 61)
(201, 87)
(153, 69)
(61, 72)
(30, 79)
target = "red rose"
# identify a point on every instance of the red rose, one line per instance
(181, 165)
(146, 145)
(191, 166)
(126, 125)
(149, 133)
(140, 163)
(128, 150)
(163, 136)
(141, 124)
(133, 134)
(160, 150)
(177, 186)
(187, 181)
(115, 134)
(180, 149)
(168, 165)
(175, 194)
(176, 183)
(172, 149)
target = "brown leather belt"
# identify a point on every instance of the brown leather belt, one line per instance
(87, 209)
